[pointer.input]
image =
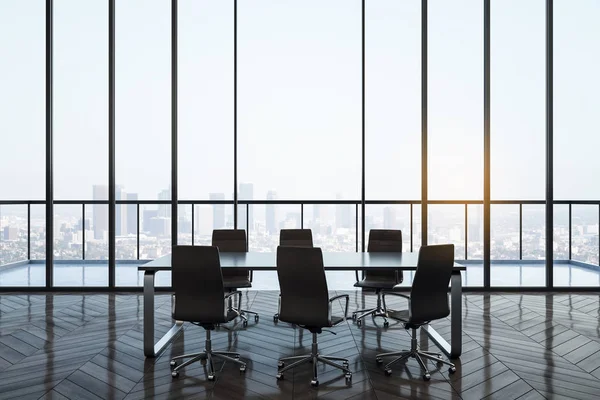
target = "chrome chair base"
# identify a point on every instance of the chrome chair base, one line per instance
(379, 311)
(206, 358)
(315, 358)
(414, 352)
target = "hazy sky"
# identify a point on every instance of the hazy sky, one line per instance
(299, 98)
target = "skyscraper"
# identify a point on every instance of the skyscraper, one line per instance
(342, 214)
(271, 225)
(218, 210)
(246, 192)
(120, 212)
(100, 192)
(132, 223)
(389, 218)
(164, 210)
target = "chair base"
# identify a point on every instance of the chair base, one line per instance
(414, 352)
(315, 358)
(241, 312)
(206, 358)
(379, 311)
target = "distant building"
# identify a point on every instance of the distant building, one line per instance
(148, 215)
(120, 212)
(389, 218)
(218, 210)
(11, 233)
(100, 212)
(132, 223)
(246, 192)
(343, 217)
(271, 225)
(164, 210)
(159, 226)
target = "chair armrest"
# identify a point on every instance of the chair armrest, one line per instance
(229, 294)
(345, 296)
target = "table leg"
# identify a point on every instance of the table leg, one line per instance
(454, 349)
(150, 349)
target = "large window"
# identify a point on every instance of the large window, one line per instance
(576, 139)
(517, 139)
(80, 120)
(299, 98)
(143, 120)
(205, 99)
(393, 100)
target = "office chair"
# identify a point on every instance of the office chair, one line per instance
(305, 302)
(428, 301)
(234, 241)
(380, 240)
(296, 238)
(200, 299)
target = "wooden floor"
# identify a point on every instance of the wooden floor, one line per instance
(89, 346)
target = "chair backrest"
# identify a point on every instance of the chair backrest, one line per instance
(385, 240)
(296, 237)
(198, 284)
(429, 293)
(304, 294)
(230, 240)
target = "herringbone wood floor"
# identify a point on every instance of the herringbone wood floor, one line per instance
(89, 346)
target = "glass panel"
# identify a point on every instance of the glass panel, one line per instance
(143, 97)
(455, 96)
(518, 100)
(585, 233)
(475, 232)
(205, 98)
(534, 232)
(393, 100)
(561, 232)
(504, 243)
(22, 99)
(299, 98)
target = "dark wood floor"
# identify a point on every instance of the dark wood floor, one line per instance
(531, 346)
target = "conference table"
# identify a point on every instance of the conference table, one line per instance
(332, 262)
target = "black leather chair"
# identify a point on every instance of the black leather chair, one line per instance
(428, 301)
(201, 299)
(305, 302)
(295, 238)
(234, 241)
(380, 240)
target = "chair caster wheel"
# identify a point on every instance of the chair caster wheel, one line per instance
(245, 323)
(388, 372)
(426, 377)
(379, 360)
(280, 364)
(279, 376)
(237, 356)
(359, 322)
(203, 361)
(243, 368)
(348, 377)
(386, 324)
(452, 370)
(256, 318)
(211, 377)
(345, 364)
(314, 383)
(173, 364)
(353, 317)
(174, 374)
(275, 319)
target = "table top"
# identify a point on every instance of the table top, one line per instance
(332, 261)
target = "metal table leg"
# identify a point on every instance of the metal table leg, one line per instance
(454, 349)
(151, 349)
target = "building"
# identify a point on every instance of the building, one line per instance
(120, 212)
(218, 210)
(100, 212)
(146, 221)
(343, 218)
(11, 233)
(132, 218)
(164, 210)
(246, 192)
(389, 218)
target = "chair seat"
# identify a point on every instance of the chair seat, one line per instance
(400, 315)
(235, 282)
(376, 283)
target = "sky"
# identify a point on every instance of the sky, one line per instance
(299, 98)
